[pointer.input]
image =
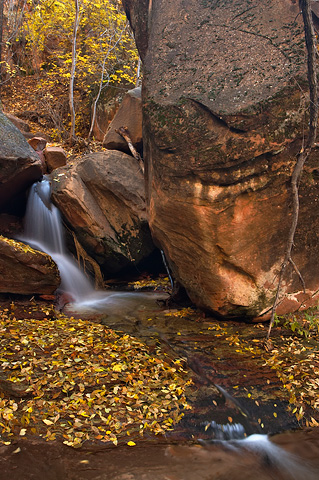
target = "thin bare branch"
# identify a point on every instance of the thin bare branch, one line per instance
(123, 131)
(311, 45)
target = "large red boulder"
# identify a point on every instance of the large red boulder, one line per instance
(225, 102)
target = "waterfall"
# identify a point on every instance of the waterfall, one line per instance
(43, 231)
(233, 437)
(42, 224)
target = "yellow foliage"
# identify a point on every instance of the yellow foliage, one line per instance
(104, 43)
(103, 32)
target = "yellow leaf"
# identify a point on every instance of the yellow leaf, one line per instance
(117, 368)
(47, 422)
(131, 444)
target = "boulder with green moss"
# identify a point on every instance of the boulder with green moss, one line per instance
(102, 200)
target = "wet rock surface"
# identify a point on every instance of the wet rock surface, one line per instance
(36, 460)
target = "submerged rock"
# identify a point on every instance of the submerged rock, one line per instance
(26, 271)
(224, 106)
(101, 198)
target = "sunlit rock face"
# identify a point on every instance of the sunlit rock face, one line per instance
(224, 112)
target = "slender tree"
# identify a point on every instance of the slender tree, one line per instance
(1, 37)
(83, 55)
(312, 52)
(105, 76)
(73, 68)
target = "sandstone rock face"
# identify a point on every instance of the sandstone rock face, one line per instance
(55, 157)
(128, 115)
(223, 115)
(105, 112)
(20, 166)
(20, 124)
(101, 198)
(37, 143)
(26, 271)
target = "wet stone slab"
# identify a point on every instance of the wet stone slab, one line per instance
(37, 460)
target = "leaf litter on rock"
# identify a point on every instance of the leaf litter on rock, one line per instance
(65, 378)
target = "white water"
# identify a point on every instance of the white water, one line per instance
(43, 231)
(233, 437)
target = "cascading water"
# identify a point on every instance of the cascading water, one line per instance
(42, 219)
(233, 437)
(43, 231)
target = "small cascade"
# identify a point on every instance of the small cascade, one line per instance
(233, 437)
(42, 224)
(43, 231)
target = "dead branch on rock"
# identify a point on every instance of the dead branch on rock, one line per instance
(85, 257)
(123, 131)
(311, 45)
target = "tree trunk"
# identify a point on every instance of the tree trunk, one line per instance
(311, 45)
(73, 68)
(1, 38)
(123, 131)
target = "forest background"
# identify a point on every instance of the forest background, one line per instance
(58, 58)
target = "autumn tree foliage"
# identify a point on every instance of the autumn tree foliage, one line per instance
(11, 20)
(103, 54)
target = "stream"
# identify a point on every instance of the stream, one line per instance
(239, 410)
